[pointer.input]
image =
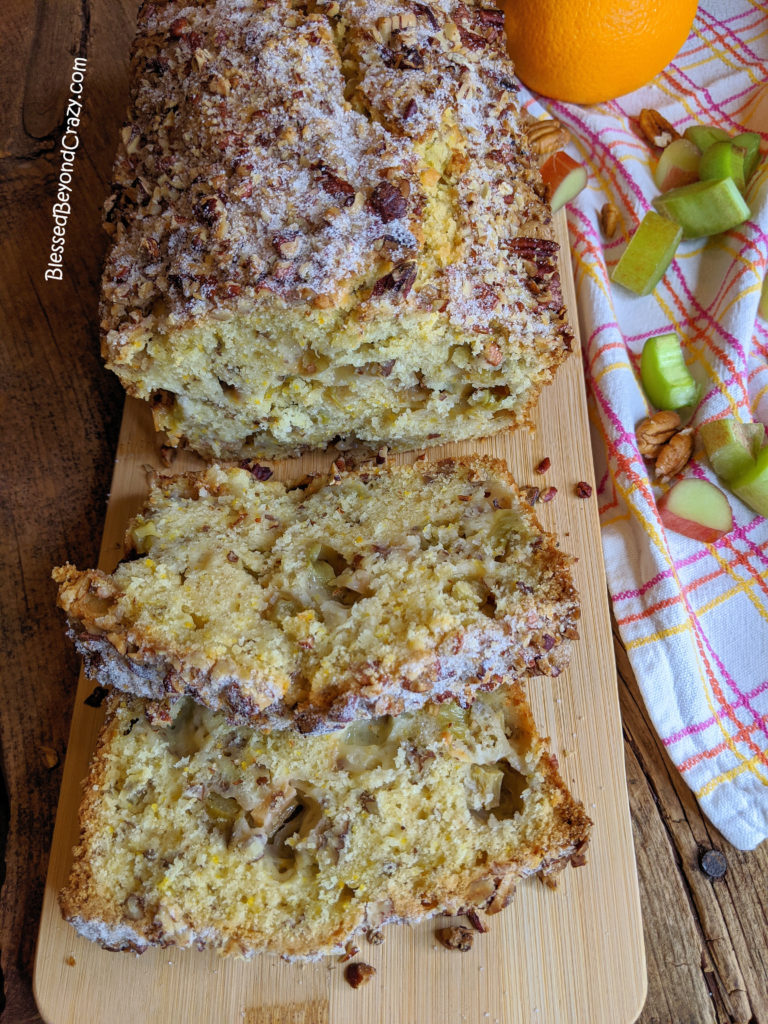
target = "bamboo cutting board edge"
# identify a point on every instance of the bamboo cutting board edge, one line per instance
(550, 958)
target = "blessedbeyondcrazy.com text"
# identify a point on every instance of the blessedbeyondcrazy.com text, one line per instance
(62, 208)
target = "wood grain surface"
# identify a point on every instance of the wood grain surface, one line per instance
(60, 412)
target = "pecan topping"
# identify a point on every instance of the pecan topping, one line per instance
(456, 937)
(549, 494)
(388, 202)
(358, 974)
(583, 489)
(544, 465)
(177, 28)
(655, 431)
(657, 129)
(400, 280)
(426, 12)
(407, 58)
(338, 188)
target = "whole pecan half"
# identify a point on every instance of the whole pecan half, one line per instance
(655, 431)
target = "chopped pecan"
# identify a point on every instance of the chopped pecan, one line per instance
(256, 470)
(549, 494)
(655, 431)
(474, 919)
(493, 354)
(583, 489)
(178, 27)
(335, 186)
(426, 12)
(388, 202)
(455, 937)
(400, 280)
(544, 465)
(406, 58)
(675, 454)
(358, 974)
(657, 129)
(609, 219)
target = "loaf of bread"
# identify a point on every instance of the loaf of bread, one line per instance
(362, 594)
(198, 832)
(328, 226)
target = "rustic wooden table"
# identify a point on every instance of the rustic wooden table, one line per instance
(706, 941)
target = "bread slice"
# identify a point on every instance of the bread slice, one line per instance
(328, 225)
(195, 832)
(366, 593)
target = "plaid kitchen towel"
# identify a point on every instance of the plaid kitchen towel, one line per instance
(693, 616)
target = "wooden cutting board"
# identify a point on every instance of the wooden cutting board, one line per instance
(573, 956)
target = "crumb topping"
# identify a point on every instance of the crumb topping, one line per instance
(288, 153)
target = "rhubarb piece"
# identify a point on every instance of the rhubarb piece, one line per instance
(723, 160)
(678, 165)
(752, 486)
(750, 143)
(648, 254)
(564, 178)
(731, 446)
(705, 207)
(703, 136)
(666, 379)
(696, 509)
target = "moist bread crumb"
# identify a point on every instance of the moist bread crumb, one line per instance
(195, 832)
(365, 593)
(328, 226)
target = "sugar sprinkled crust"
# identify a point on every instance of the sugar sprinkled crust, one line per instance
(363, 594)
(328, 225)
(199, 833)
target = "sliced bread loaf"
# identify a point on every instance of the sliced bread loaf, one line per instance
(198, 832)
(366, 593)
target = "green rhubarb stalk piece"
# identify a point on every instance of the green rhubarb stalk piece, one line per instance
(731, 446)
(703, 136)
(648, 254)
(750, 143)
(752, 486)
(723, 160)
(666, 379)
(705, 207)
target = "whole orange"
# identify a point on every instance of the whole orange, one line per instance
(586, 51)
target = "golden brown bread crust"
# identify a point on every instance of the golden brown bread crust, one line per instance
(109, 903)
(328, 157)
(406, 638)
